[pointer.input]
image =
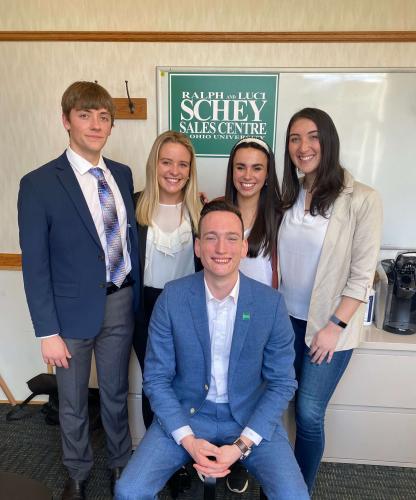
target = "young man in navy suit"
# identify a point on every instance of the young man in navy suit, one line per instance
(80, 269)
(218, 373)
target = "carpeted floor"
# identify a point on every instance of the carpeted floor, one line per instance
(32, 448)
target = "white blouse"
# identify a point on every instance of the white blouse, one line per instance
(169, 247)
(258, 268)
(301, 238)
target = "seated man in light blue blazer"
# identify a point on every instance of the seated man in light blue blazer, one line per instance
(218, 373)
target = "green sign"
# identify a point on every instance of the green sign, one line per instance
(217, 109)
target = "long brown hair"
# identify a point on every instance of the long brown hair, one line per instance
(329, 179)
(263, 234)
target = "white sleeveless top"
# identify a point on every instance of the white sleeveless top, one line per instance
(258, 268)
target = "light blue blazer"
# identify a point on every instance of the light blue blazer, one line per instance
(261, 378)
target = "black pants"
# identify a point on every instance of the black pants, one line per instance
(150, 296)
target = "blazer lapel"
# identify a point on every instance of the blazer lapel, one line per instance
(72, 187)
(198, 307)
(337, 222)
(243, 318)
(142, 230)
(124, 188)
(126, 192)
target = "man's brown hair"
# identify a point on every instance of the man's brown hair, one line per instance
(220, 205)
(87, 95)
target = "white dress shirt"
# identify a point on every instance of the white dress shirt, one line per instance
(88, 185)
(221, 318)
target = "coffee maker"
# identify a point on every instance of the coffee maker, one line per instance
(396, 295)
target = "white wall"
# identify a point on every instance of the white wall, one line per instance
(20, 357)
(204, 15)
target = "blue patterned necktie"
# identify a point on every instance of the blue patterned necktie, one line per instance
(111, 228)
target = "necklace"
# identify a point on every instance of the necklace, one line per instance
(248, 219)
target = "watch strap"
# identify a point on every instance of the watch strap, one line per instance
(338, 321)
(244, 449)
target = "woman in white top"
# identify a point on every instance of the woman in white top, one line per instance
(328, 245)
(167, 212)
(253, 187)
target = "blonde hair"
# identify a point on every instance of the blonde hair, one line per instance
(149, 197)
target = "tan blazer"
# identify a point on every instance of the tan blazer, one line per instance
(348, 260)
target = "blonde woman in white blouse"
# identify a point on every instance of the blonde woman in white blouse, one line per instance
(167, 213)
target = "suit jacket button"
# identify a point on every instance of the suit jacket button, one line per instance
(101, 257)
(206, 387)
(103, 285)
(192, 411)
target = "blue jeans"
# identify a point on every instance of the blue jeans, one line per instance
(316, 384)
(158, 457)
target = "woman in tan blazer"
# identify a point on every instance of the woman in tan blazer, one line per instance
(328, 246)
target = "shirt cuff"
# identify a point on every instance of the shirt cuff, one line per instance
(48, 336)
(250, 434)
(179, 434)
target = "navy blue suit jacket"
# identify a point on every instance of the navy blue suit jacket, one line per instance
(177, 374)
(63, 261)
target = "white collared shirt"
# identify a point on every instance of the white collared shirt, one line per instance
(221, 319)
(88, 185)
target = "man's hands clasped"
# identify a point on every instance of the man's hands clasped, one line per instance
(211, 460)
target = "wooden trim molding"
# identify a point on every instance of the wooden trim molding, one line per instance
(211, 36)
(10, 261)
(33, 402)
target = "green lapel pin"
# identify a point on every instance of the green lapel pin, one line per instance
(246, 316)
